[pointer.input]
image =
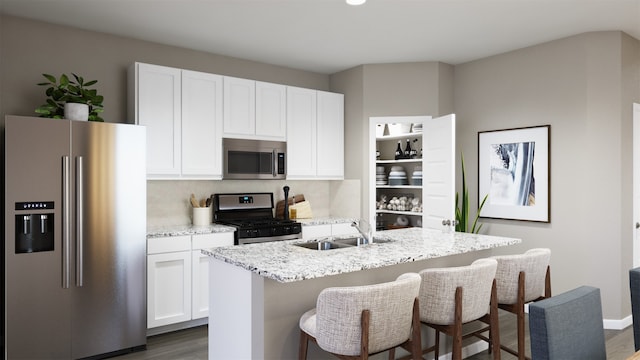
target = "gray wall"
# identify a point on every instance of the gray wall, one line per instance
(397, 89)
(30, 48)
(583, 86)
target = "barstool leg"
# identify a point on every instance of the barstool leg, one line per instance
(304, 342)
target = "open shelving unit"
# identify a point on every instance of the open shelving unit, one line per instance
(432, 199)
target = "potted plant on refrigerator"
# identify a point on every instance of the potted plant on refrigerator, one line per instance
(71, 98)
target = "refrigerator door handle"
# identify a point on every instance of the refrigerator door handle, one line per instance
(66, 219)
(79, 221)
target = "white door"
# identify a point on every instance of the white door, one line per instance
(201, 125)
(159, 110)
(330, 136)
(271, 111)
(301, 133)
(438, 192)
(636, 184)
(239, 107)
(168, 288)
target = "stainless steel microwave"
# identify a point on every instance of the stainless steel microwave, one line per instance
(254, 159)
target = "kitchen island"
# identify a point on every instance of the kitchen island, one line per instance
(259, 291)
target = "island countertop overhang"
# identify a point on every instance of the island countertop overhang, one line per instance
(285, 262)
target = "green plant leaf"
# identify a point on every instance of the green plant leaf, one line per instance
(462, 207)
(52, 79)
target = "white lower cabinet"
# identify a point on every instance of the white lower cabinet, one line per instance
(168, 280)
(178, 277)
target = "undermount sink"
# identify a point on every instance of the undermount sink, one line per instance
(339, 243)
(323, 245)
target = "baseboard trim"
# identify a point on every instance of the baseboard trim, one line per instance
(617, 324)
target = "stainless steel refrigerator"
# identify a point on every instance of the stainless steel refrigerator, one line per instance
(75, 238)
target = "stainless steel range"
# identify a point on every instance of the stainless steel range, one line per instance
(252, 216)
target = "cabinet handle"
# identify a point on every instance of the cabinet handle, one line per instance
(66, 219)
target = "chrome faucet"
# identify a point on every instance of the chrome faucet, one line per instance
(366, 233)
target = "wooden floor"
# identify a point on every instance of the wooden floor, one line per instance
(191, 344)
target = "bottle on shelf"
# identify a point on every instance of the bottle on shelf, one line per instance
(399, 153)
(414, 152)
(407, 150)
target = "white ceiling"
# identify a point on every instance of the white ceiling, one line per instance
(328, 36)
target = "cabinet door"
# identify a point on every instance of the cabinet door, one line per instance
(301, 133)
(239, 107)
(438, 161)
(201, 125)
(330, 136)
(271, 107)
(168, 288)
(200, 273)
(158, 108)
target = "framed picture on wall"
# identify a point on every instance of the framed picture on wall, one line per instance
(514, 173)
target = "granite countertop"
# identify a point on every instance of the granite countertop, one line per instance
(325, 221)
(179, 230)
(284, 262)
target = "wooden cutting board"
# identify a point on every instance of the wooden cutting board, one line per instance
(280, 205)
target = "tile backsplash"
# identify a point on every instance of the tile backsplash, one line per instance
(168, 200)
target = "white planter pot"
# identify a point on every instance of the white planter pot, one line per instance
(75, 111)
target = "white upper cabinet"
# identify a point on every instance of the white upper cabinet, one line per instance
(239, 107)
(271, 111)
(201, 125)
(254, 109)
(301, 133)
(182, 111)
(315, 134)
(156, 104)
(330, 135)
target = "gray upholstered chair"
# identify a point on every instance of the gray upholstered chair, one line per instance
(358, 321)
(634, 285)
(521, 279)
(451, 297)
(568, 326)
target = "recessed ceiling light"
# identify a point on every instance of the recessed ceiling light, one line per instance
(356, 2)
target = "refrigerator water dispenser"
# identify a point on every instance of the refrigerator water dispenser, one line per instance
(34, 233)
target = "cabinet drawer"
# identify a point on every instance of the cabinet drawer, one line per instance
(168, 244)
(207, 241)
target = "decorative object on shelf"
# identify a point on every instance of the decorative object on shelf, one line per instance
(381, 178)
(416, 127)
(399, 153)
(399, 128)
(462, 208)
(400, 203)
(413, 153)
(380, 129)
(398, 176)
(513, 170)
(62, 93)
(416, 176)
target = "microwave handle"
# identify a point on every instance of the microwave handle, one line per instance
(274, 158)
